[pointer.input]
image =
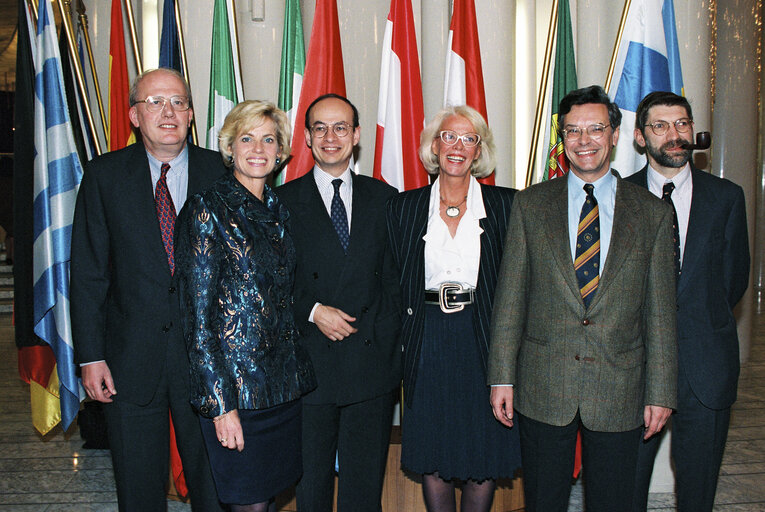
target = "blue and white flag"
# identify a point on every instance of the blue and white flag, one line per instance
(57, 176)
(648, 60)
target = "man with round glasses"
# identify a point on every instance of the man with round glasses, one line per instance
(126, 325)
(583, 327)
(712, 266)
(346, 295)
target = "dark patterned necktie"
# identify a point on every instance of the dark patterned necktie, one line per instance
(667, 196)
(339, 216)
(587, 260)
(166, 214)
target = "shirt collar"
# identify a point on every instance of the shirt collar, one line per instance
(177, 164)
(473, 204)
(657, 180)
(604, 186)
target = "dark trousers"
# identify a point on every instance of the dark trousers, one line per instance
(608, 464)
(360, 434)
(139, 442)
(698, 441)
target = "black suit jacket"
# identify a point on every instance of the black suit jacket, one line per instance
(124, 304)
(715, 274)
(362, 283)
(407, 224)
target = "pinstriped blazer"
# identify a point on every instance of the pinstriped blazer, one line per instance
(407, 223)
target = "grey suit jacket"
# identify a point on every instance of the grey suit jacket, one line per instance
(606, 361)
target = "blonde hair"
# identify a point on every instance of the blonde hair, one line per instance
(481, 166)
(250, 114)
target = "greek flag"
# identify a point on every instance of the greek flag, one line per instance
(57, 175)
(648, 60)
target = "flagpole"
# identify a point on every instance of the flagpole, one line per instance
(618, 42)
(551, 35)
(133, 35)
(33, 5)
(67, 22)
(83, 18)
(235, 49)
(184, 63)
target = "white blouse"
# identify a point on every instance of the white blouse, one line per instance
(455, 259)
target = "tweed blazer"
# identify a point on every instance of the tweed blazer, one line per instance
(714, 277)
(610, 359)
(124, 303)
(407, 224)
(235, 264)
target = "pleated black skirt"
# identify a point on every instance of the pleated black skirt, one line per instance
(449, 427)
(270, 462)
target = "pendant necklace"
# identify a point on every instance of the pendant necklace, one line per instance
(453, 210)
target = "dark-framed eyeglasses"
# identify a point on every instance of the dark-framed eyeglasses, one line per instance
(574, 133)
(157, 103)
(450, 138)
(341, 129)
(682, 125)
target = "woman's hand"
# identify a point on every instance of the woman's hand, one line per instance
(228, 429)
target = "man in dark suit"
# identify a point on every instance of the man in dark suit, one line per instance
(346, 295)
(583, 327)
(712, 274)
(125, 310)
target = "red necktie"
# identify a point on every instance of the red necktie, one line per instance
(166, 214)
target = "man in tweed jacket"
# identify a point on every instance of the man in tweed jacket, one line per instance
(606, 363)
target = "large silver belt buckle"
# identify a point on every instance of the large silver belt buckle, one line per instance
(443, 300)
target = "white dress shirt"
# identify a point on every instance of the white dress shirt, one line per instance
(681, 198)
(455, 259)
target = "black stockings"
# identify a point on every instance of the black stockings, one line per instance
(439, 495)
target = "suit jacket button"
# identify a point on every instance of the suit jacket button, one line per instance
(409, 311)
(166, 328)
(171, 290)
(367, 342)
(586, 321)
(364, 309)
(576, 357)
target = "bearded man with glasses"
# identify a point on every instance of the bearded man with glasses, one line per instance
(712, 270)
(583, 328)
(346, 304)
(126, 325)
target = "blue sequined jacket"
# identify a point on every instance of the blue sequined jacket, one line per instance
(235, 264)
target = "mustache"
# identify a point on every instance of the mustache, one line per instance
(679, 143)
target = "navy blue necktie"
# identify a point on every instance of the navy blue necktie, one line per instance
(667, 196)
(339, 216)
(587, 259)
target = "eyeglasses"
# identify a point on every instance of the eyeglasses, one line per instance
(661, 127)
(450, 138)
(157, 103)
(595, 131)
(342, 129)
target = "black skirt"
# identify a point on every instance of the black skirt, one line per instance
(450, 428)
(270, 462)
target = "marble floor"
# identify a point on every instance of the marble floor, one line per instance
(54, 473)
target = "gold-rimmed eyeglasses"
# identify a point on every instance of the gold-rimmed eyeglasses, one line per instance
(157, 103)
(682, 125)
(574, 133)
(342, 129)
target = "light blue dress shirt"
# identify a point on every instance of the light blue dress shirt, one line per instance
(605, 194)
(177, 176)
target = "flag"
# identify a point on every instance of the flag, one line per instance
(293, 65)
(323, 74)
(648, 60)
(57, 175)
(120, 130)
(225, 81)
(90, 146)
(399, 123)
(463, 84)
(169, 47)
(564, 81)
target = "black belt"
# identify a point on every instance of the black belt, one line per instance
(451, 297)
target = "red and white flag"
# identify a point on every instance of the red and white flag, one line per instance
(464, 75)
(399, 123)
(323, 74)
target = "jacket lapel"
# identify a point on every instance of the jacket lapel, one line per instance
(556, 220)
(702, 212)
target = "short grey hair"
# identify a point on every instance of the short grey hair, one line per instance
(481, 166)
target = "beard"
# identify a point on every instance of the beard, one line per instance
(665, 159)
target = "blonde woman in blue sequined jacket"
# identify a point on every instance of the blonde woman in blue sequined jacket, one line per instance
(235, 262)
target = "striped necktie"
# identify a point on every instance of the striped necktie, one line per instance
(166, 214)
(587, 260)
(667, 196)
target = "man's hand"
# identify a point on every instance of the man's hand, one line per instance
(97, 381)
(228, 428)
(502, 404)
(655, 417)
(333, 323)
